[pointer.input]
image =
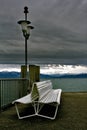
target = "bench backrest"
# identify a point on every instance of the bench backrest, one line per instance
(40, 89)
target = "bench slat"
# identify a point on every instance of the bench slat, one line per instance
(51, 97)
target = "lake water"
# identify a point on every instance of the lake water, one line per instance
(70, 84)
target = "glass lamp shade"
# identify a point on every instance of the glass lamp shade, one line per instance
(24, 24)
(29, 28)
(28, 31)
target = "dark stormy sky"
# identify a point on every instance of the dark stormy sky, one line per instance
(60, 34)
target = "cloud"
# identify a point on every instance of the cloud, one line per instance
(63, 69)
(59, 35)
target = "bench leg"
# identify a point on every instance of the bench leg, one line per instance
(22, 117)
(40, 106)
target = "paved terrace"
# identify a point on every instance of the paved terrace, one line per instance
(72, 115)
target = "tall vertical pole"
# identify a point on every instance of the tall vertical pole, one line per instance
(25, 51)
(26, 11)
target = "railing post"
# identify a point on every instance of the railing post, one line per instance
(25, 81)
(23, 71)
(34, 75)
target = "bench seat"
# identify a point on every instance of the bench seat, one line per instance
(25, 100)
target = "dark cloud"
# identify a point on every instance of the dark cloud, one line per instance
(60, 34)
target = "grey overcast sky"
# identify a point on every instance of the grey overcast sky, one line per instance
(60, 34)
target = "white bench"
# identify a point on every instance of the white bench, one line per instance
(42, 94)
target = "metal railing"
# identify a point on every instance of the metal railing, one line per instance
(12, 89)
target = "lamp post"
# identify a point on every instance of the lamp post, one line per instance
(26, 30)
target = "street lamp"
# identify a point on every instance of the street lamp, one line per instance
(26, 30)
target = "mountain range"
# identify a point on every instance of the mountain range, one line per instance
(14, 74)
(83, 75)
